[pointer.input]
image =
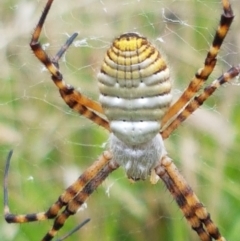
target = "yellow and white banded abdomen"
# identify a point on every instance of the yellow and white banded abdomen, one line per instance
(135, 90)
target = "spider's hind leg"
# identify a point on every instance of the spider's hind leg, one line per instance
(193, 210)
(23, 218)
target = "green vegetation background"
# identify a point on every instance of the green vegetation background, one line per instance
(52, 145)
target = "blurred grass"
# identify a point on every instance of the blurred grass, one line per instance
(52, 145)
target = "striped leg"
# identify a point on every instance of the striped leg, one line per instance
(198, 100)
(66, 199)
(80, 198)
(192, 208)
(203, 73)
(74, 99)
(189, 213)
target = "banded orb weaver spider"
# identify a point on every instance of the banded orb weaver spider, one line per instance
(134, 106)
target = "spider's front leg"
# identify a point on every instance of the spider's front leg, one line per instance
(201, 76)
(198, 100)
(73, 98)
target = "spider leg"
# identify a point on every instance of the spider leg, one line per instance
(83, 99)
(203, 73)
(80, 198)
(73, 98)
(197, 101)
(193, 209)
(188, 212)
(63, 49)
(63, 200)
(74, 230)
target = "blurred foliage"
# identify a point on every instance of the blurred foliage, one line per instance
(53, 145)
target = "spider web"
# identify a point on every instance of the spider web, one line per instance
(53, 145)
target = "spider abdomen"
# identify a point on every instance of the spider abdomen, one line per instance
(134, 88)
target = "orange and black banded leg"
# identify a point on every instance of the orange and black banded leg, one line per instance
(197, 101)
(63, 200)
(200, 211)
(188, 212)
(93, 105)
(203, 73)
(80, 198)
(74, 99)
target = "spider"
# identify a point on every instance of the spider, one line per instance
(135, 107)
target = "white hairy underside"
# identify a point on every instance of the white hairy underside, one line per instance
(138, 161)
